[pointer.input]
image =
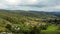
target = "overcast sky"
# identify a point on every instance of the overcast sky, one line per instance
(40, 5)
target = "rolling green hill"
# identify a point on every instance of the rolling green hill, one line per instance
(28, 22)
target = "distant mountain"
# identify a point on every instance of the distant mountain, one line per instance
(56, 13)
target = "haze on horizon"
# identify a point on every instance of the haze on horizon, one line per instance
(40, 5)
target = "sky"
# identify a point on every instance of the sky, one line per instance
(38, 5)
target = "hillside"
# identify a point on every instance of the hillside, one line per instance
(56, 13)
(28, 22)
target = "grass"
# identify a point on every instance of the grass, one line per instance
(52, 29)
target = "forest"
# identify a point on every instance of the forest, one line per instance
(29, 22)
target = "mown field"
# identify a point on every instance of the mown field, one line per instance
(23, 22)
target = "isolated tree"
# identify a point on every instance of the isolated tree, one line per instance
(35, 30)
(8, 26)
(43, 27)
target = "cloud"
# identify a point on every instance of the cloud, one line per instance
(41, 5)
(29, 2)
(2, 6)
(12, 2)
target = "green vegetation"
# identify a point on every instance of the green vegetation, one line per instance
(26, 22)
